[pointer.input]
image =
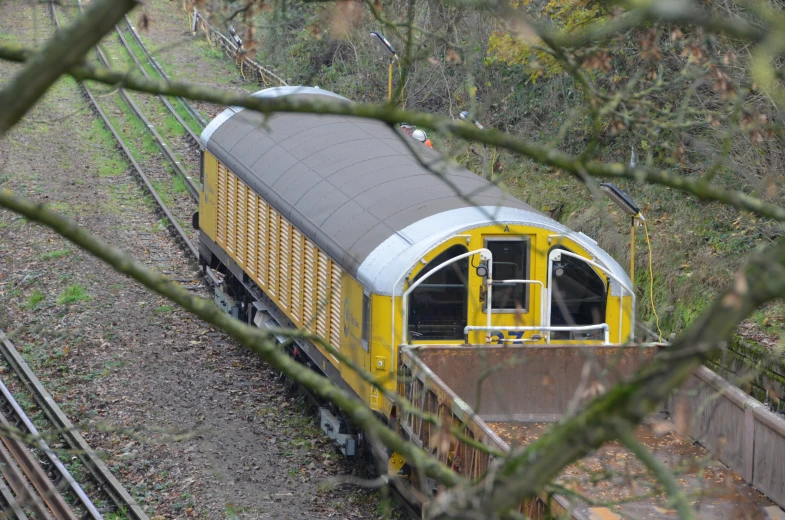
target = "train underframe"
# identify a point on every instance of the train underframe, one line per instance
(238, 295)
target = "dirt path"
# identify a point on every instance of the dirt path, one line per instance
(126, 366)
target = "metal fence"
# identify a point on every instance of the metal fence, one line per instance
(247, 65)
(738, 429)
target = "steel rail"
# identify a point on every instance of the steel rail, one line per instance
(35, 473)
(14, 508)
(100, 473)
(66, 429)
(19, 485)
(193, 187)
(160, 70)
(178, 231)
(57, 468)
(169, 107)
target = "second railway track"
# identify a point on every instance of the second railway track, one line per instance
(156, 171)
(39, 483)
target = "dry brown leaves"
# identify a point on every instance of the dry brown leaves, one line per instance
(344, 15)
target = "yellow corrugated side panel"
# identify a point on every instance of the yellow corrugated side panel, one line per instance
(297, 276)
(220, 234)
(241, 230)
(262, 222)
(250, 234)
(335, 305)
(208, 197)
(231, 214)
(285, 260)
(323, 283)
(272, 253)
(309, 284)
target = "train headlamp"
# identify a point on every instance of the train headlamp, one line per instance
(558, 269)
(482, 270)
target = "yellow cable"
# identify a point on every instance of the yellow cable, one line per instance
(403, 100)
(651, 280)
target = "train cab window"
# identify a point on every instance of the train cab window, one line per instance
(578, 298)
(437, 308)
(510, 262)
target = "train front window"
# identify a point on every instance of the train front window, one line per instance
(578, 298)
(510, 262)
(437, 308)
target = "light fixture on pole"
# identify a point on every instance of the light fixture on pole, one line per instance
(388, 49)
(626, 204)
(465, 117)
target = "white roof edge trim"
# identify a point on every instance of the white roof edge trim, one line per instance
(387, 262)
(273, 92)
(216, 122)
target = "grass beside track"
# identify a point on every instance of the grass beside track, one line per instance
(177, 104)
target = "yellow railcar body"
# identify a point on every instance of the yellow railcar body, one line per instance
(309, 287)
(387, 325)
(316, 294)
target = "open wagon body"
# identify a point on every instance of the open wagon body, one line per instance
(525, 389)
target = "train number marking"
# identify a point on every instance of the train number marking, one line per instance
(497, 336)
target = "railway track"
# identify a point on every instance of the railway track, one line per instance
(149, 181)
(36, 483)
(147, 178)
(162, 142)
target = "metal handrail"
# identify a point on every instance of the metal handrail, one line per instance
(556, 254)
(543, 328)
(485, 254)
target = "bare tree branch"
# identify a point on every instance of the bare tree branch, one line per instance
(65, 49)
(544, 154)
(256, 340)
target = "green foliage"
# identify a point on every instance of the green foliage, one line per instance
(54, 255)
(72, 294)
(33, 300)
(522, 47)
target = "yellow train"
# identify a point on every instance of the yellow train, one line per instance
(334, 224)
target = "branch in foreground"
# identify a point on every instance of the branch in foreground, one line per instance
(256, 340)
(527, 471)
(625, 405)
(62, 51)
(578, 167)
(677, 495)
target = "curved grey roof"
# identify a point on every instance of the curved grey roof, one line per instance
(355, 188)
(347, 183)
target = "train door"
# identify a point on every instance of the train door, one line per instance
(511, 259)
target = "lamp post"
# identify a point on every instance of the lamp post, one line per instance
(465, 117)
(388, 49)
(626, 204)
